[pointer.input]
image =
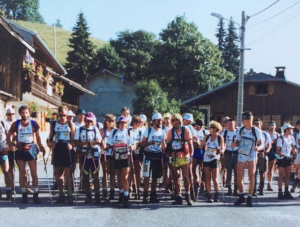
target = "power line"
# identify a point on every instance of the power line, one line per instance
(264, 9)
(274, 15)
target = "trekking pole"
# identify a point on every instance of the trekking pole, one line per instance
(231, 167)
(134, 177)
(192, 184)
(220, 174)
(14, 169)
(45, 169)
(106, 174)
(255, 175)
(73, 177)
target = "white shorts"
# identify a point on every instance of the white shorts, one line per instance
(245, 158)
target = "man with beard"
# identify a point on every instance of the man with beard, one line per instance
(26, 150)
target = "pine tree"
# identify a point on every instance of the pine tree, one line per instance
(80, 57)
(231, 52)
(221, 35)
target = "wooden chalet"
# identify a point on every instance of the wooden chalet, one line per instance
(268, 97)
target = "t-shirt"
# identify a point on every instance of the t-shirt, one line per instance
(230, 137)
(193, 131)
(166, 129)
(138, 137)
(2, 138)
(7, 125)
(77, 125)
(201, 134)
(266, 139)
(247, 140)
(211, 150)
(62, 132)
(156, 136)
(120, 137)
(286, 146)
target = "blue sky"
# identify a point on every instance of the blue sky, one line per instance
(273, 43)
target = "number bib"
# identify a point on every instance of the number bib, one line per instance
(246, 145)
(120, 151)
(176, 145)
(108, 152)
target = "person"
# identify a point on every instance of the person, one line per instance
(122, 142)
(262, 160)
(80, 115)
(107, 162)
(63, 153)
(297, 158)
(198, 157)
(70, 115)
(143, 125)
(87, 139)
(181, 153)
(286, 146)
(223, 168)
(167, 122)
(230, 155)
(249, 141)
(125, 112)
(154, 145)
(5, 164)
(213, 144)
(26, 150)
(272, 157)
(137, 153)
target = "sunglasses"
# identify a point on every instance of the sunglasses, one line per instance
(173, 120)
(62, 115)
(10, 114)
(89, 121)
(213, 127)
(139, 122)
(110, 120)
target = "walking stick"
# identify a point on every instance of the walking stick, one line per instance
(231, 167)
(14, 169)
(106, 175)
(220, 174)
(73, 178)
(45, 169)
(134, 177)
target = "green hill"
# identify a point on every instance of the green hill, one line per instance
(62, 38)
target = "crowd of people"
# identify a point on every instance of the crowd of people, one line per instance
(131, 150)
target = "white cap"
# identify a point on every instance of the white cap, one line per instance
(143, 117)
(286, 126)
(10, 111)
(156, 116)
(70, 113)
(189, 117)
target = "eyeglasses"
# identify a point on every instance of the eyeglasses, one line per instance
(62, 115)
(173, 120)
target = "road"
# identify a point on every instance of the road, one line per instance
(268, 211)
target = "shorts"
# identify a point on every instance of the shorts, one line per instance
(212, 164)
(11, 158)
(108, 157)
(156, 168)
(123, 163)
(179, 162)
(24, 156)
(198, 154)
(272, 155)
(89, 164)
(246, 158)
(284, 162)
(261, 164)
(3, 158)
(61, 156)
(138, 156)
(230, 159)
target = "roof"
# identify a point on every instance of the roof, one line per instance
(259, 77)
(105, 71)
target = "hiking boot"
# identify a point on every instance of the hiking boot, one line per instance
(229, 193)
(235, 193)
(55, 186)
(170, 187)
(178, 200)
(288, 195)
(209, 198)
(105, 195)
(153, 198)
(61, 198)
(121, 197)
(125, 202)
(70, 200)
(261, 189)
(97, 198)
(240, 200)
(254, 192)
(9, 195)
(36, 199)
(249, 202)
(24, 198)
(145, 198)
(269, 188)
(216, 197)
(138, 195)
(193, 192)
(88, 198)
(202, 188)
(280, 195)
(188, 200)
(112, 194)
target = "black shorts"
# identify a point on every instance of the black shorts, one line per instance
(61, 156)
(156, 168)
(123, 163)
(11, 158)
(138, 156)
(24, 156)
(285, 162)
(230, 159)
(212, 164)
(108, 158)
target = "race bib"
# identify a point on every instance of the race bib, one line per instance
(108, 152)
(176, 145)
(246, 145)
(137, 151)
(120, 151)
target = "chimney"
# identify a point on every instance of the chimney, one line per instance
(280, 72)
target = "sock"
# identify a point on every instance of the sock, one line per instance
(69, 193)
(250, 196)
(121, 190)
(35, 190)
(23, 190)
(126, 193)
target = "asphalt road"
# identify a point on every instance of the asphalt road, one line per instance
(268, 211)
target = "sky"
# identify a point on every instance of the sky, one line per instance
(274, 42)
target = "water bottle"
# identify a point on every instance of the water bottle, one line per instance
(146, 168)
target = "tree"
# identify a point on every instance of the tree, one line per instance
(221, 35)
(58, 23)
(82, 51)
(136, 49)
(27, 10)
(151, 99)
(231, 52)
(185, 61)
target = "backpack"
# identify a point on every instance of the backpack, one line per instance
(82, 128)
(53, 126)
(115, 131)
(19, 121)
(253, 132)
(2, 123)
(218, 138)
(182, 134)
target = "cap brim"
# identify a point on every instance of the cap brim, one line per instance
(90, 119)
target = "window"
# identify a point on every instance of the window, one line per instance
(262, 89)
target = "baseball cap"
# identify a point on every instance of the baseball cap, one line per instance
(70, 113)
(167, 115)
(273, 123)
(90, 117)
(225, 119)
(286, 126)
(10, 111)
(247, 115)
(143, 117)
(156, 116)
(80, 111)
(122, 119)
(189, 117)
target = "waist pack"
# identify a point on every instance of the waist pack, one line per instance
(120, 151)
(152, 155)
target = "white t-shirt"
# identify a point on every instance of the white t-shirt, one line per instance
(191, 128)
(166, 129)
(248, 134)
(2, 138)
(120, 137)
(286, 145)
(157, 137)
(230, 137)
(201, 134)
(137, 136)
(77, 125)
(266, 139)
(8, 124)
(211, 148)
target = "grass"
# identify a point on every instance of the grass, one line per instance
(62, 38)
